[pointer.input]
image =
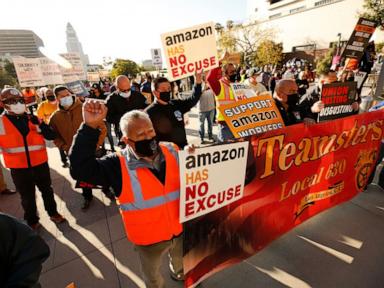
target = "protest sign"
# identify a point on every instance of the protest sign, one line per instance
(359, 78)
(157, 61)
(233, 58)
(252, 116)
(93, 76)
(190, 50)
(200, 192)
(76, 72)
(242, 91)
(337, 98)
(359, 39)
(104, 73)
(78, 88)
(300, 171)
(51, 71)
(28, 71)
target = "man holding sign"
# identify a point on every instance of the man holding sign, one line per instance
(145, 178)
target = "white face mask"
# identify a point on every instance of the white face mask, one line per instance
(66, 101)
(18, 108)
(125, 94)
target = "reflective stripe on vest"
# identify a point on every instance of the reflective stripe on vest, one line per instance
(172, 150)
(2, 129)
(22, 149)
(139, 202)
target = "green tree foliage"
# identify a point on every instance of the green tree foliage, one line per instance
(374, 10)
(7, 74)
(124, 67)
(379, 47)
(268, 52)
(324, 64)
(243, 38)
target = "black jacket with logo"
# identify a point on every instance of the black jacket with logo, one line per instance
(168, 120)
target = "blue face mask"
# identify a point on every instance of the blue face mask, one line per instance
(66, 101)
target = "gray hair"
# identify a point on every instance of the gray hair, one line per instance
(129, 117)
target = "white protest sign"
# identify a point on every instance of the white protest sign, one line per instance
(51, 71)
(190, 50)
(93, 76)
(242, 91)
(28, 71)
(76, 72)
(211, 178)
(104, 73)
(359, 78)
(157, 61)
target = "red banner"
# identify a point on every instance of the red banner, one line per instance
(300, 171)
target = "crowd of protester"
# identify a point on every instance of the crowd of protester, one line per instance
(144, 119)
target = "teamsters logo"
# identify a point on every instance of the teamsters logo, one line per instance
(365, 161)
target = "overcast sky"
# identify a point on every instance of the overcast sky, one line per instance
(116, 28)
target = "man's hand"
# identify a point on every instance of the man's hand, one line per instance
(355, 106)
(94, 112)
(316, 108)
(198, 76)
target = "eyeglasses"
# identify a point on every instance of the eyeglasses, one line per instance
(14, 101)
(126, 90)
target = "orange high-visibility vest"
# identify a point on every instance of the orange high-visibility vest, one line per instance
(13, 147)
(226, 96)
(150, 209)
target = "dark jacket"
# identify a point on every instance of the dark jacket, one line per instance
(168, 120)
(105, 171)
(118, 106)
(22, 253)
(291, 116)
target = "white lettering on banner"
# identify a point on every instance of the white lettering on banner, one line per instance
(335, 110)
(204, 182)
(360, 49)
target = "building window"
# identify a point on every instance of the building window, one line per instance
(324, 2)
(274, 1)
(301, 8)
(275, 16)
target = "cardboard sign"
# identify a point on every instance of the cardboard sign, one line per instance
(203, 188)
(76, 72)
(359, 39)
(51, 71)
(93, 76)
(190, 50)
(78, 88)
(242, 91)
(157, 61)
(337, 99)
(234, 58)
(252, 116)
(28, 71)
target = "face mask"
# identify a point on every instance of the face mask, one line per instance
(232, 78)
(66, 101)
(292, 100)
(51, 98)
(146, 148)
(125, 94)
(18, 108)
(165, 96)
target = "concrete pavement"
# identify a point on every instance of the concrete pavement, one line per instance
(342, 247)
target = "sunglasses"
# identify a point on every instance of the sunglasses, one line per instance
(14, 101)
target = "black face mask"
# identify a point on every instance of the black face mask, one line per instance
(165, 96)
(232, 78)
(146, 148)
(51, 98)
(293, 100)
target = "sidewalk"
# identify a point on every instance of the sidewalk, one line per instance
(342, 247)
